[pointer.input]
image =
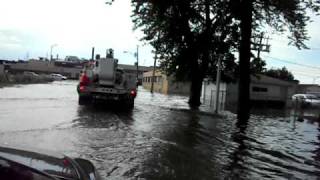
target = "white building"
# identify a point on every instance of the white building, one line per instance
(263, 90)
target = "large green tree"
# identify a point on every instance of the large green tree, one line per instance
(190, 35)
(281, 73)
(282, 15)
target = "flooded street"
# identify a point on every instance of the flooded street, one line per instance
(160, 138)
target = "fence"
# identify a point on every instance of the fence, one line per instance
(210, 99)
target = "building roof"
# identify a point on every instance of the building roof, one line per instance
(270, 80)
(308, 85)
(133, 67)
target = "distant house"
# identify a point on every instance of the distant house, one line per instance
(165, 84)
(264, 90)
(132, 69)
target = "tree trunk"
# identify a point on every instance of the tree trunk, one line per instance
(244, 62)
(195, 90)
(199, 69)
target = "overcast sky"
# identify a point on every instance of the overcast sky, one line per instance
(29, 28)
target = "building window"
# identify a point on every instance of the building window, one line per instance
(259, 89)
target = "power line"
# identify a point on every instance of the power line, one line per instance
(302, 74)
(294, 63)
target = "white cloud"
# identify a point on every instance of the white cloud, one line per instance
(282, 51)
(75, 25)
(78, 25)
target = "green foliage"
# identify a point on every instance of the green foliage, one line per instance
(190, 34)
(257, 66)
(178, 29)
(183, 35)
(281, 73)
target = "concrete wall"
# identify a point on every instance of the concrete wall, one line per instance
(46, 67)
(164, 84)
(178, 87)
(208, 95)
(1, 70)
(262, 92)
(272, 93)
(160, 85)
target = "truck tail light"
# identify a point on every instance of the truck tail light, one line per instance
(82, 88)
(84, 80)
(133, 93)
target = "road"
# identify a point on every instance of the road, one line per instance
(160, 138)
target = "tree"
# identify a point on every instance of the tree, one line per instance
(190, 35)
(281, 73)
(257, 66)
(279, 14)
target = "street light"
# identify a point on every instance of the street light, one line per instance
(136, 54)
(51, 47)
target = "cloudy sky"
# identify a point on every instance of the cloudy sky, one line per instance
(29, 28)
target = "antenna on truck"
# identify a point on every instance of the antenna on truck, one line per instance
(109, 53)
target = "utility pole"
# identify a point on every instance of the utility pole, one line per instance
(218, 84)
(137, 56)
(51, 47)
(258, 44)
(154, 71)
(92, 54)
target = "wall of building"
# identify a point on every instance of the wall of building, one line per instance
(267, 92)
(2, 77)
(1, 70)
(262, 92)
(208, 95)
(178, 87)
(160, 84)
(47, 67)
(164, 84)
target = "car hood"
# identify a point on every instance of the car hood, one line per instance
(54, 164)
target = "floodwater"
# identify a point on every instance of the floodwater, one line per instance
(161, 138)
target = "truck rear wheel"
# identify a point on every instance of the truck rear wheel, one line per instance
(84, 100)
(130, 103)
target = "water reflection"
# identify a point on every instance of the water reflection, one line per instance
(162, 139)
(102, 116)
(316, 152)
(239, 153)
(184, 151)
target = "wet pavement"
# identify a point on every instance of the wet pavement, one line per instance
(160, 138)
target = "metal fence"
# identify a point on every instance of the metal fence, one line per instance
(209, 99)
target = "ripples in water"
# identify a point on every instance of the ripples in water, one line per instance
(162, 139)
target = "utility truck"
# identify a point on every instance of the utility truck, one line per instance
(102, 80)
